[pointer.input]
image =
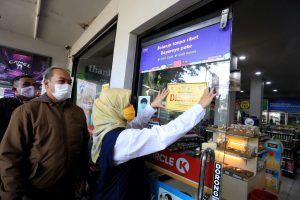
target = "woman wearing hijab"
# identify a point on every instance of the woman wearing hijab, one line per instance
(120, 140)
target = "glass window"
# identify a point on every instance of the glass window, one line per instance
(93, 72)
(293, 119)
(277, 118)
(264, 117)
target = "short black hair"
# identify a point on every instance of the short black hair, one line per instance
(49, 72)
(17, 78)
(144, 100)
(168, 196)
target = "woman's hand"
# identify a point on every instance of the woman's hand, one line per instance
(157, 102)
(207, 97)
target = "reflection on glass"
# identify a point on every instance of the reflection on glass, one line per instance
(94, 72)
(277, 118)
(215, 74)
(293, 119)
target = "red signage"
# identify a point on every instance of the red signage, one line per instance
(182, 165)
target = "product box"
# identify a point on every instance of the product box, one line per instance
(160, 190)
(273, 165)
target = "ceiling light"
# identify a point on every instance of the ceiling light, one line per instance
(242, 91)
(257, 73)
(242, 57)
(275, 90)
(268, 82)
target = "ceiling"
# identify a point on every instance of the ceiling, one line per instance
(268, 33)
(61, 22)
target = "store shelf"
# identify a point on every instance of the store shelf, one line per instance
(282, 133)
(239, 135)
(214, 130)
(237, 176)
(230, 133)
(262, 151)
(226, 152)
(284, 170)
(287, 158)
(264, 140)
(285, 140)
(264, 137)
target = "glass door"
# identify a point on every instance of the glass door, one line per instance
(93, 72)
(186, 62)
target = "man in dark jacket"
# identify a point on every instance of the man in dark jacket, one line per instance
(44, 148)
(23, 86)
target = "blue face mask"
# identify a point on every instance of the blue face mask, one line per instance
(143, 105)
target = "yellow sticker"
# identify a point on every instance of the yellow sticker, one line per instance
(183, 96)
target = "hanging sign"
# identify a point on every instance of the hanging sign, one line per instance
(245, 104)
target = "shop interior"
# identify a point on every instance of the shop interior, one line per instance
(265, 33)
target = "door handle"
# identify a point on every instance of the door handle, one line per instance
(207, 155)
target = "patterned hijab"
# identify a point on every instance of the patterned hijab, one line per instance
(108, 115)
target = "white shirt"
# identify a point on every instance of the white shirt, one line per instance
(136, 141)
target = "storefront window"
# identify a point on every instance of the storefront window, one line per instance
(277, 118)
(186, 62)
(264, 117)
(93, 72)
(293, 119)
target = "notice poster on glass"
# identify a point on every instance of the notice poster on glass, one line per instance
(162, 191)
(209, 44)
(86, 94)
(143, 102)
(104, 87)
(183, 96)
(15, 62)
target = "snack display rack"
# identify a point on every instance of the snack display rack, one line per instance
(239, 148)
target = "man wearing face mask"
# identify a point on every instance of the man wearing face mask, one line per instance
(23, 86)
(44, 149)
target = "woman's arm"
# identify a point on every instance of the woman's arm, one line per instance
(142, 119)
(133, 143)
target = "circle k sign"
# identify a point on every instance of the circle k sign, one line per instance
(182, 165)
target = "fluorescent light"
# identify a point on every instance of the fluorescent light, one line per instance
(242, 91)
(268, 82)
(242, 57)
(275, 90)
(258, 73)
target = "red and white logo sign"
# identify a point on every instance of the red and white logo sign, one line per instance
(177, 163)
(182, 165)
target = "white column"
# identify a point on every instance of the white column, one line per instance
(256, 97)
(232, 97)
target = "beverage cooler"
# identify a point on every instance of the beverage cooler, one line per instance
(186, 61)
